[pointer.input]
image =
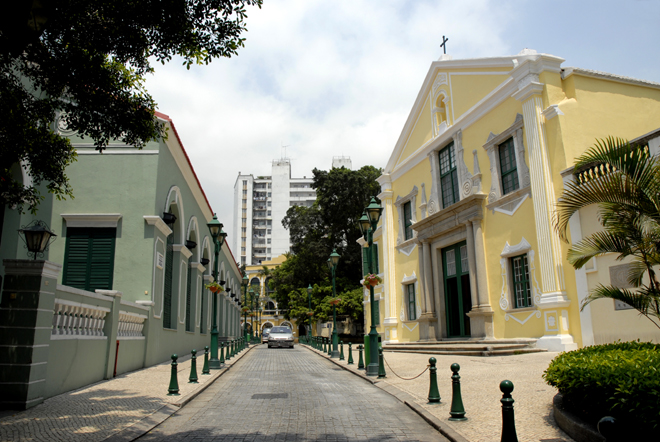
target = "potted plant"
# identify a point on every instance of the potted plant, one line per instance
(372, 280)
(335, 301)
(214, 287)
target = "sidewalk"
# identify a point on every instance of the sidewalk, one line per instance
(118, 409)
(480, 380)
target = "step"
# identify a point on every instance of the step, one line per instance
(490, 347)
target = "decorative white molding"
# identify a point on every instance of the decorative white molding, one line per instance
(552, 111)
(508, 316)
(510, 207)
(400, 201)
(522, 247)
(91, 219)
(407, 247)
(183, 250)
(409, 328)
(157, 221)
(492, 149)
(409, 279)
(422, 205)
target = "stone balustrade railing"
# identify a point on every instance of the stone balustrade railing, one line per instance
(75, 320)
(130, 325)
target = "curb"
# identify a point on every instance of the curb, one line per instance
(405, 398)
(572, 424)
(148, 423)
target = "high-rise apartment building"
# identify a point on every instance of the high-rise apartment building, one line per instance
(260, 205)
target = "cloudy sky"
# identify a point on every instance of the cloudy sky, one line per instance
(339, 77)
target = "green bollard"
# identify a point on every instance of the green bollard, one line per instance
(193, 368)
(341, 350)
(381, 365)
(329, 347)
(350, 354)
(205, 368)
(360, 360)
(227, 344)
(222, 353)
(434, 394)
(174, 383)
(508, 419)
(324, 349)
(457, 411)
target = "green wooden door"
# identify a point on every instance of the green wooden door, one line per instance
(457, 290)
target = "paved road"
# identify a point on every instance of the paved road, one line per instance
(292, 395)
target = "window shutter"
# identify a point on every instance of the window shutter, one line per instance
(365, 262)
(167, 290)
(89, 258)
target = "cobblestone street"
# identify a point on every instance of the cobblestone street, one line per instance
(292, 395)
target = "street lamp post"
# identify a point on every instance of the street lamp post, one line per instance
(309, 301)
(368, 224)
(332, 264)
(215, 227)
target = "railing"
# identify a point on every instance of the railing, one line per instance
(130, 325)
(75, 320)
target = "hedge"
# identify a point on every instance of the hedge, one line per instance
(620, 380)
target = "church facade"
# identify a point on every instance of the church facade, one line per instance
(466, 243)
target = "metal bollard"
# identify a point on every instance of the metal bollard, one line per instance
(205, 367)
(228, 350)
(434, 394)
(381, 365)
(350, 354)
(222, 353)
(341, 350)
(173, 390)
(329, 347)
(192, 379)
(457, 411)
(508, 419)
(325, 350)
(360, 360)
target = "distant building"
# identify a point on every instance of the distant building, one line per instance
(260, 205)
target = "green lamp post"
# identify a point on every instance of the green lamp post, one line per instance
(215, 227)
(309, 301)
(368, 224)
(332, 265)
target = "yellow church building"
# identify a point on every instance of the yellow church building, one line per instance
(466, 243)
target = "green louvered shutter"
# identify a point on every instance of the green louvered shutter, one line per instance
(189, 297)
(375, 259)
(89, 258)
(365, 261)
(202, 325)
(167, 290)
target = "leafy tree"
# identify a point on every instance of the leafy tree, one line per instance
(88, 59)
(331, 223)
(624, 181)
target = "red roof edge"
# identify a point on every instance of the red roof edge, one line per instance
(167, 118)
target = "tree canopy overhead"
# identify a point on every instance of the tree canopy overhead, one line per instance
(87, 59)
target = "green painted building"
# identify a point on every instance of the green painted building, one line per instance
(122, 286)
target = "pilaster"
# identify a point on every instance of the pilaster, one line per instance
(26, 317)
(553, 295)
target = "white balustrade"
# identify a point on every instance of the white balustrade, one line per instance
(75, 320)
(130, 325)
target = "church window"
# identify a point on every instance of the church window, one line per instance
(508, 167)
(407, 218)
(448, 176)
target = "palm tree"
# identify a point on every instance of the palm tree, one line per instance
(624, 181)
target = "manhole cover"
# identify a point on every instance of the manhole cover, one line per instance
(270, 396)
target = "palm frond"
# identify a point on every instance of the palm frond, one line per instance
(597, 244)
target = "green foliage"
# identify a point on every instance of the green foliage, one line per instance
(624, 181)
(620, 380)
(342, 196)
(88, 59)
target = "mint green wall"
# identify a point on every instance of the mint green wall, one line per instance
(108, 183)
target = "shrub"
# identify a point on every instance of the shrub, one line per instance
(620, 380)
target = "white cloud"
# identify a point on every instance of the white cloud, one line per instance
(339, 77)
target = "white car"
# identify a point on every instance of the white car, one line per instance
(280, 337)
